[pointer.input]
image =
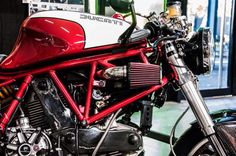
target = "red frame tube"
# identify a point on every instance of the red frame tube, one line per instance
(102, 60)
(143, 57)
(126, 102)
(7, 82)
(105, 64)
(67, 96)
(13, 105)
(90, 89)
(71, 63)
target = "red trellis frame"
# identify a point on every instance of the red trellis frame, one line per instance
(102, 59)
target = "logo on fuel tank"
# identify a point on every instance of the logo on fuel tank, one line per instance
(101, 19)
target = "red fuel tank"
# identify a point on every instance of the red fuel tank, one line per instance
(52, 34)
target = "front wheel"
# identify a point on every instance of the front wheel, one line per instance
(203, 148)
(193, 143)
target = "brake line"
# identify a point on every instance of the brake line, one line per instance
(172, 134)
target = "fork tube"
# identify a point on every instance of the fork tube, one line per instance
(194, 98)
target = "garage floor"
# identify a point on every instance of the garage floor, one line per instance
(164, 119)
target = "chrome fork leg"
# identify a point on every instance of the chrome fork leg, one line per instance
(194, 98)
(201, 113)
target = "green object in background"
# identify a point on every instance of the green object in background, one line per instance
(86, 6)
(122, 6)
(97, 7)
(165, 5)
(119, 5)
(75, 1)
(100, 7)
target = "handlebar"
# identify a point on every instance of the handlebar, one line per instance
(152, 30)
(139, 35)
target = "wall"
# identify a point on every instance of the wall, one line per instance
(12, 13)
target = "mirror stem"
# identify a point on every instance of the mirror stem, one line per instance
(126, 35)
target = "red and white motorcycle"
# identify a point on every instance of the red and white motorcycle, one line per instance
(73, 81)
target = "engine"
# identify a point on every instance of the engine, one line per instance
(44, 124)
(24, 140)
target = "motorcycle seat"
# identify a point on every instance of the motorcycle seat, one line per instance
(2, 57)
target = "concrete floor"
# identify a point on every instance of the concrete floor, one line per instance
(164, 119)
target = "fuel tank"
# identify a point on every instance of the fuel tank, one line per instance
(49, 35)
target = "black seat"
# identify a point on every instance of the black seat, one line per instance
(2, 57)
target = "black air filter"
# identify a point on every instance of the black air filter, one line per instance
(142, 75)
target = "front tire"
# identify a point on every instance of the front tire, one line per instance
(193, 143)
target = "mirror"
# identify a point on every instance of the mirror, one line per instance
(122, 6)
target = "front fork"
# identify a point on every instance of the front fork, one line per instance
(193, 97)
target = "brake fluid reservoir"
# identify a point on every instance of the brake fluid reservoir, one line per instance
(174, 9)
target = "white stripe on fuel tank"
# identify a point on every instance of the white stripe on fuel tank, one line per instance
(99, 30)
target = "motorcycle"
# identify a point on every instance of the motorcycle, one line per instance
(73, 81)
